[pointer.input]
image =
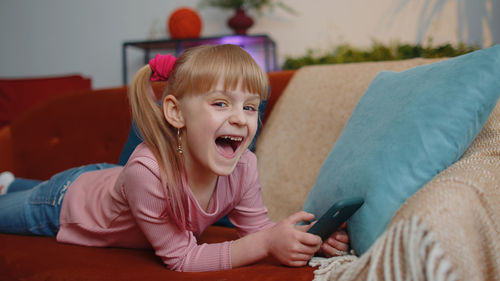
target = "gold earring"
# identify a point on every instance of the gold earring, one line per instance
(179, 146)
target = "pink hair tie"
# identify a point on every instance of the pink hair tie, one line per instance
(162, 66)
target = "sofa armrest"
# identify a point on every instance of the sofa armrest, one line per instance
(277, 82)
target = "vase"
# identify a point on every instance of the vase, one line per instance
(240, 22)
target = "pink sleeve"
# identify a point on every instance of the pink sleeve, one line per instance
(178, 249)
(250, 215)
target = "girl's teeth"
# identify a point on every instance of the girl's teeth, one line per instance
(234, 138)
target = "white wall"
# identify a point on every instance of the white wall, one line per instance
(52, 37)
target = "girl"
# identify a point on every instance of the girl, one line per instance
(192, 169)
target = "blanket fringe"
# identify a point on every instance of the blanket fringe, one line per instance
(406, 251)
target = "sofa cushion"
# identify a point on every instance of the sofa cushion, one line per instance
(303, 125)
(407, 128)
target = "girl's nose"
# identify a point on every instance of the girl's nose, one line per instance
(238, 117)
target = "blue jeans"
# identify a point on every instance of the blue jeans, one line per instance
(20, 184)
(33, 208)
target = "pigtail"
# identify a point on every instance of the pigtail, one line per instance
(160, 137)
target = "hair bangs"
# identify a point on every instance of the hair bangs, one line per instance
(208, 64)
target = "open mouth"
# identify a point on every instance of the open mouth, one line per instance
(228, 145)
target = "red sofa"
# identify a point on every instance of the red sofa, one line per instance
(20, 94)
(91, 127)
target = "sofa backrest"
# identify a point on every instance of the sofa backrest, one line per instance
(19, 95)
(71, 130)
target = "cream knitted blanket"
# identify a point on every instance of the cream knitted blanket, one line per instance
(449, 230)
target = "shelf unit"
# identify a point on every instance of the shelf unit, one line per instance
(261, 47)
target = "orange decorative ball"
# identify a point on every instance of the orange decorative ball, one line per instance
(184, 23)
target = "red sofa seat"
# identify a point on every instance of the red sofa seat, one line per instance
(42, 258)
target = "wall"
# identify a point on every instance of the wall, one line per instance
(52, 37)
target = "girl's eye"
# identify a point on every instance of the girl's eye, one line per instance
(249, 108)
(220, 104)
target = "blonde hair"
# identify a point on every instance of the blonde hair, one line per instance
(196, 71)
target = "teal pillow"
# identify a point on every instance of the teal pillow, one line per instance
(406, 128)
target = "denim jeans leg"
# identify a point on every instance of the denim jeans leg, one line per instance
(31, 212)
(12, 212)
(44, 207)
(20, 184)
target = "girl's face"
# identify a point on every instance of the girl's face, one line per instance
(218, 127)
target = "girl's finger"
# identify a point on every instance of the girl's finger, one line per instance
(341, 236)
(300, 217)
(301, 257)
(303, 228)
(309, 239)
(337, 244)
(330, 251)
(306, 249)
(297, 263)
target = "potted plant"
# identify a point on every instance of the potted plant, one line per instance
(240, 21)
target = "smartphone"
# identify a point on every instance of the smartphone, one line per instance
(335, 217)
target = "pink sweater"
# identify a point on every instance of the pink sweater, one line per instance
(122, 207)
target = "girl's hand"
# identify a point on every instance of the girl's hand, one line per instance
(338, 241)
(290, 244)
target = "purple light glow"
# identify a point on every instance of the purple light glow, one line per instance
(245, 43)
(235, 40)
